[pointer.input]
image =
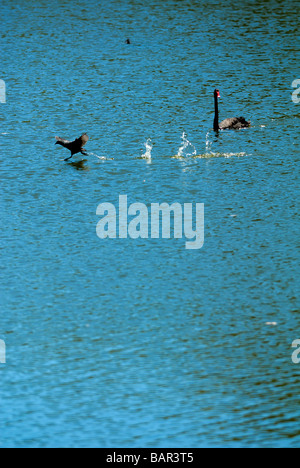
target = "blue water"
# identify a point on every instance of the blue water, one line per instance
(143, 343)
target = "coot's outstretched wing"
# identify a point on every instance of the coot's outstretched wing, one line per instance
(82, 140)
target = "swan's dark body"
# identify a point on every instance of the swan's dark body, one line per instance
(234, 123)
(75, 146)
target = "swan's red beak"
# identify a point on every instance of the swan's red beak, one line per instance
(218, 94)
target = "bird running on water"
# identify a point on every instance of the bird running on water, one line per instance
(75, 146)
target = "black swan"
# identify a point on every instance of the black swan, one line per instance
(234, 123)
(75, 146)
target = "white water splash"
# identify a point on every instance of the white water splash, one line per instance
(186, 148)
(148, 145)
(102, 158)
(208, 143)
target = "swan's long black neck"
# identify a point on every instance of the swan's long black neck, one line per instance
(216, 121)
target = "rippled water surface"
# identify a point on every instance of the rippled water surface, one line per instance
(143, 343)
